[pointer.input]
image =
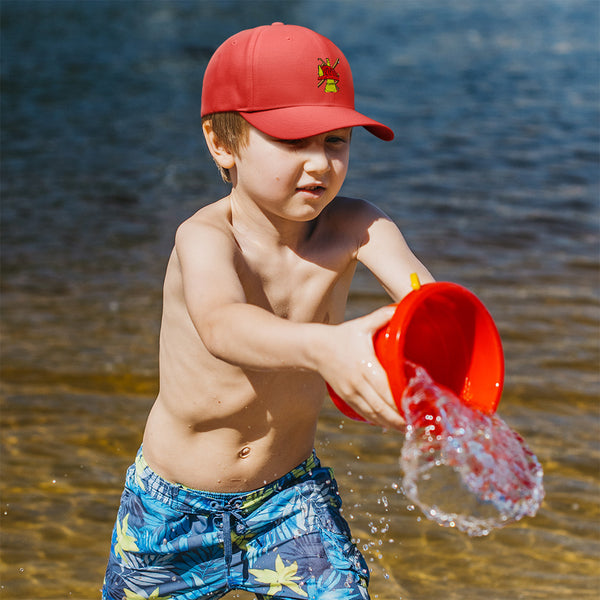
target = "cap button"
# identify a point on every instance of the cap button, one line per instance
(277, 23)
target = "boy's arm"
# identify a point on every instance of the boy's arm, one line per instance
(386, 254)
(251, 337)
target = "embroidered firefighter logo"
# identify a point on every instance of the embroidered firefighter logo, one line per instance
(327, 74)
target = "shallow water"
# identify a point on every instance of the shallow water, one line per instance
(493, 178)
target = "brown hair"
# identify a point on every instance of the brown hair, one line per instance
(232, 131)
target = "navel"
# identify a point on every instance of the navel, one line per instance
(245, 452)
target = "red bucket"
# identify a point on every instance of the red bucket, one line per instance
(445, 329)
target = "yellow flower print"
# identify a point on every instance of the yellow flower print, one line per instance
(125, 542)
(153, 596)
(140, 465)
(241, 541)
(281, 576)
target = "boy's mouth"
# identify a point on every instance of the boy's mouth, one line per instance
(315, 189)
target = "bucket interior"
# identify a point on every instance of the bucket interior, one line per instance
(455, 339)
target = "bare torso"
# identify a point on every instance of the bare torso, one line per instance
(220, 427)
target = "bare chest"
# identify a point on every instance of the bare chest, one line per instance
(298, 288)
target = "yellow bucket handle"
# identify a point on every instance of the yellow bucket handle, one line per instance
(414, 281)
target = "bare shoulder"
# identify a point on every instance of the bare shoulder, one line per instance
(213, 217)
(350, 219)
(353, 213)
(206, 233)
(349, 208)
(204, 260)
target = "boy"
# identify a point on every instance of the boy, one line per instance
(227, 493)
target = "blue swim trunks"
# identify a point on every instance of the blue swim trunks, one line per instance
(285, 540)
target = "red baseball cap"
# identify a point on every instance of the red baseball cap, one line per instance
(287, 81)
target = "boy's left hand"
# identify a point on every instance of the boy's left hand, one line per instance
(352, 370)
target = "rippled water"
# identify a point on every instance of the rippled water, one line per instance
(493, 178)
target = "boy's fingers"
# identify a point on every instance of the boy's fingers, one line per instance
(380, 413)
(380, 404)
(380, 317)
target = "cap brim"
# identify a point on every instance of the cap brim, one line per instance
(297, 122)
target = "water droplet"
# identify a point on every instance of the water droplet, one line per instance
(469, 471)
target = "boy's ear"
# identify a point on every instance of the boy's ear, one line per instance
(221, 155)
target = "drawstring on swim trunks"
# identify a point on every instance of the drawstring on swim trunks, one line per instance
(227, 513)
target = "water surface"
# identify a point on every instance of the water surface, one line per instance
(493, 177)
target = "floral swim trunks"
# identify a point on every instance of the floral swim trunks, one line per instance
(285, 540)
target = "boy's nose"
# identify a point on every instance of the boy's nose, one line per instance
(316, 160)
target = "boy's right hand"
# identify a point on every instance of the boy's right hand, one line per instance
(351, 368)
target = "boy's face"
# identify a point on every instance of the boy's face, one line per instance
(293, 179)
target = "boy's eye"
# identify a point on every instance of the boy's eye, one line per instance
(291, 143)
(339, 137)
(334, 138)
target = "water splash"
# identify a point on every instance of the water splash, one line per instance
(464, 468)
